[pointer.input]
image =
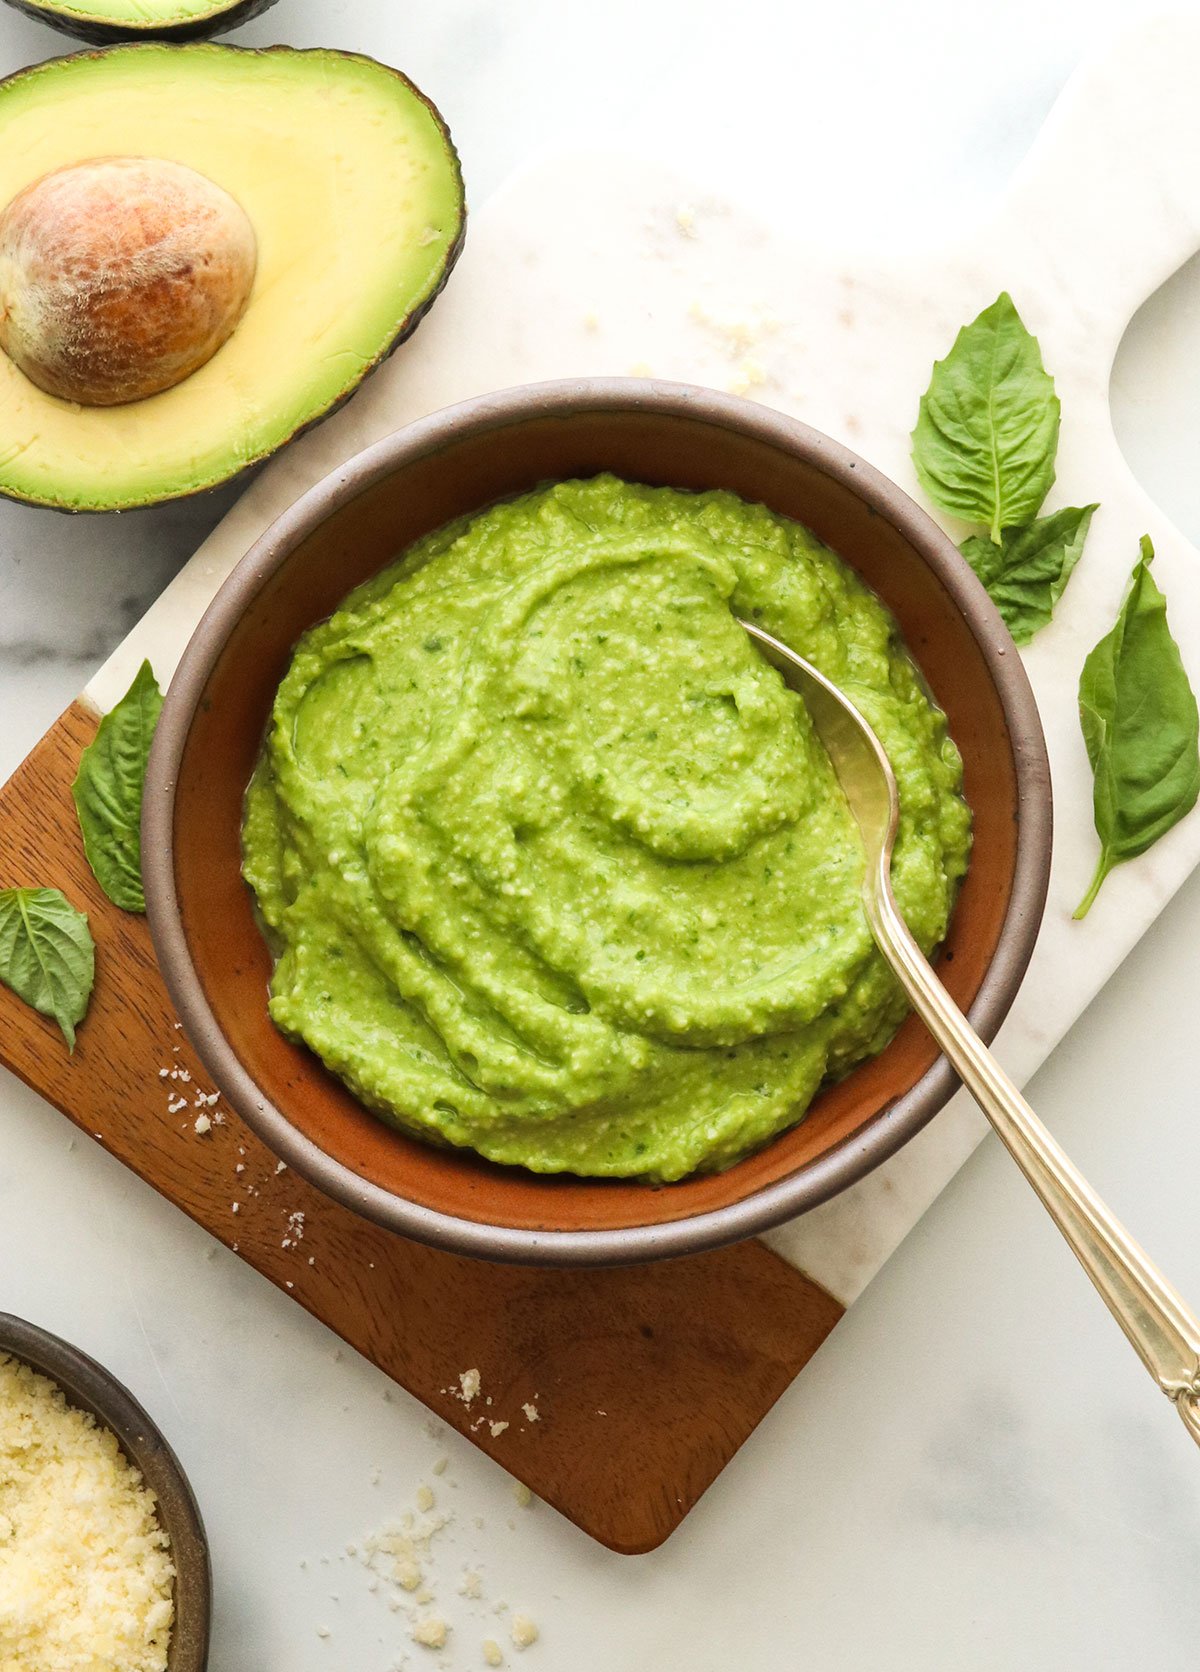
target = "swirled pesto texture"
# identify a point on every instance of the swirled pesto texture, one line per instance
(553, 862)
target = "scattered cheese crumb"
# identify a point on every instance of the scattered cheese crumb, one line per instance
(750, 375)
(203, 1125)
(524, 1632)
(85, 1568)
(236, 1208)
(491, 1652)
(425, 1499)
(431, 1632)
(497, 1429)
(280, 1167)
(472, 1584)
(532, 1413)
(406, 1573)
(522, 1494)
(439, 1465)
(468, 1382)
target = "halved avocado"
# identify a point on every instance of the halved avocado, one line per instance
(104, 22)
(353, 189)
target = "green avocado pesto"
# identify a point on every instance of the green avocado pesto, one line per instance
(552, 862)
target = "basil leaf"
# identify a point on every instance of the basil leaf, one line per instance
(987, 430)
(1027, 572)
(47, 955)
(108, 791)
(1140, 725)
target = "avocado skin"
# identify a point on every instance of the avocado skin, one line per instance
(99, 33)
(409, 325)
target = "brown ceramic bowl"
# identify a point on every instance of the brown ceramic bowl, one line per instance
(216, 962)
(91, 1387)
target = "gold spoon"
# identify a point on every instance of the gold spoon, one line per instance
(1162, 1328)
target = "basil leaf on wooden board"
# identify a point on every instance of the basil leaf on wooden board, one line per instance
(1026, 573)
(108, 791)
(47, 955)
(1139, 719)
(987, 429)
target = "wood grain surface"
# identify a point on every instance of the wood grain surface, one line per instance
(646, 1380)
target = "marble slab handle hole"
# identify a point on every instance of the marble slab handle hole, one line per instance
(1155, 398)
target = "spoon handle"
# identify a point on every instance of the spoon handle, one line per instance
(1156, 1319)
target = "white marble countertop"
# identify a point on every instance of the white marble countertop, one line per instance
(974, 1473)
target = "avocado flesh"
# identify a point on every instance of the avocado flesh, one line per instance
(353, 189)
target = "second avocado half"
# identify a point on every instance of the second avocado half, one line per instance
(104, 22)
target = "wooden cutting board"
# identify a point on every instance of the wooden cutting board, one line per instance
(647, 1381)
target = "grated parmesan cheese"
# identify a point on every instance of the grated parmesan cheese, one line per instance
(85, 1569)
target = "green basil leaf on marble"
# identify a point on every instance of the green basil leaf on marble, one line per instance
(1139, 719)
(1025, 574)
(987, 429)
(47, 955)
(108, 791)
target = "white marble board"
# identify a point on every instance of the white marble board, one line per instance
(603, 264)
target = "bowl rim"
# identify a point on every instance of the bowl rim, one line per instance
(843, 1165)
(90, 1386)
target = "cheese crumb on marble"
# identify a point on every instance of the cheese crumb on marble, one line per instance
(431, 1632)
(523, 1630)
(522, 1494)
(472, 1584)
(492, 1654)
(750, 375)
(425, 1499)
(85, 1568)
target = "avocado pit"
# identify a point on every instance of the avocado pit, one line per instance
(120, 276)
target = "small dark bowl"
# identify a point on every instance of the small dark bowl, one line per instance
(215, 960)
(91, 1387)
